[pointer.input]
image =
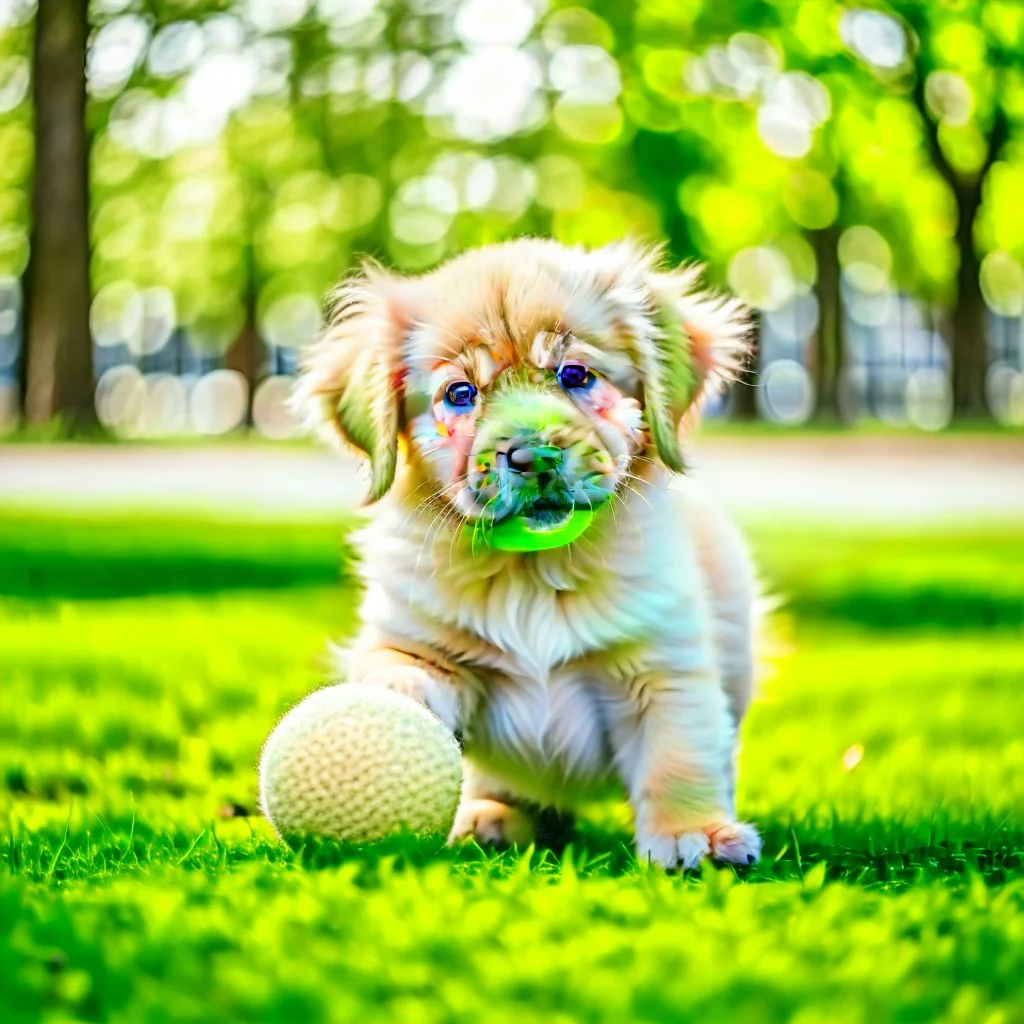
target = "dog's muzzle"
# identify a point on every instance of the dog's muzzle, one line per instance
(532, 459)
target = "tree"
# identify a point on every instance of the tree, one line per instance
(966, 182)
(961, 69)
(58, 346)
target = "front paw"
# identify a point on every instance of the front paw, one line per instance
(735, 843)
(732, 843)
(492, 823)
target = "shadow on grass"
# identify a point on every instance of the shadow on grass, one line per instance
(52, 558)
(883, 580)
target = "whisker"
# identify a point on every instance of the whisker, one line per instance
(439, 521)
(640, 480)
(636, 522)
(433, 496)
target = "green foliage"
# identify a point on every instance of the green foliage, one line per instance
(137, 882)
(244, 157)
(15, 147)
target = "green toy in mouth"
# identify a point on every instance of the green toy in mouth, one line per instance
(540, 530)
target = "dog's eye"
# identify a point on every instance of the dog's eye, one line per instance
(460, 395)
(574, 376)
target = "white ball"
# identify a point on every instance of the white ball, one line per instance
(360, 763)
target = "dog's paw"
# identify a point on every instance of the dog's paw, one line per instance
(492, 823)
(733, 843)
(685, 850)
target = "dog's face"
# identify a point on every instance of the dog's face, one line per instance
(520, 379)
(535, 412)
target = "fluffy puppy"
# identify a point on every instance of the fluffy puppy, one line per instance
(529, 379)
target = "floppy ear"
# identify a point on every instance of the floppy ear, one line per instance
(351, 380)
(699, 340)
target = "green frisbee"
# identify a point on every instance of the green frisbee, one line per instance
(522, 533)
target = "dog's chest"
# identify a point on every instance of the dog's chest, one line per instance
(549, 736)
(543, 716)
(524, 627)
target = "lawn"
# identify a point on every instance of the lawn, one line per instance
(143, 661)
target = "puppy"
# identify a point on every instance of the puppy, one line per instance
(529, 379)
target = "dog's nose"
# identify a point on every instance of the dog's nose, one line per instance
(527, 457)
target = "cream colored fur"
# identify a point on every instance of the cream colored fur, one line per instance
(621, 663)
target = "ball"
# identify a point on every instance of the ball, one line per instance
(361, 764)
(520, 534)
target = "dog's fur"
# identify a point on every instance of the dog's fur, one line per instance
(623, 660)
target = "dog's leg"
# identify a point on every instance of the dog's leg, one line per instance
(487, 810)
(490, 812)
(426, 683)
(673, 740)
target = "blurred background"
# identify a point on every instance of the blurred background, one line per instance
(181, 181)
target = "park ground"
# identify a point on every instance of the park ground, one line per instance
(144, 658)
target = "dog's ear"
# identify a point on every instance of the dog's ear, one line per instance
(350, 381)
(699, 340)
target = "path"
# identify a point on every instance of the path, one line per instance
(839, 477)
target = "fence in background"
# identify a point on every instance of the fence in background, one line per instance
(153, 380)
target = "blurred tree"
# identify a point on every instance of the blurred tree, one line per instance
(58, 347)
(245, 153)
(966, 179)
(965, 65)
(912, 118)
(733, 139)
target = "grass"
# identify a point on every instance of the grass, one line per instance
(142, 662)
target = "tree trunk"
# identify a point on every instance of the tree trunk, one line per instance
(830, 363)
(969, 348)
(743, 394)
(970, 341)
(58, 346)
(246, 354)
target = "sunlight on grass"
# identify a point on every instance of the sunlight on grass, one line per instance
(144, 662)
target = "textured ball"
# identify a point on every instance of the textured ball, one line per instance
(360, 763)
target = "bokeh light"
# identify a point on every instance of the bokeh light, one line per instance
(494, 22)
(352, 202)
(15, 76)
(217, 404)
(1002, 284)
(271, 413)
(762, 277)
(10, 312)
(423, 210)
(489, 94)
(1005, 391)
(175, 49)
(929, 398)
(121, 399)
(116, 50)
(862, 245)
(14, 13)
(786, 392)
(949, 98)
(291, 321)
(795, 104)
(876, 37)
(796, 321)
(866, 259)
(164, 410)
(142, 320)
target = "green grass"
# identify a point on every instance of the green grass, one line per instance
(142, 662)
